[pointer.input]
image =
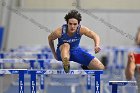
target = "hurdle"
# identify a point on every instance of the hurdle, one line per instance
(31, 62)
(33, 74)
(115, 84)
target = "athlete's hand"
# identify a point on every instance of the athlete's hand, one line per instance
(97, 49)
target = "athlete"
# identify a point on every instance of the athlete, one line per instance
(133, 64)
(69, 36)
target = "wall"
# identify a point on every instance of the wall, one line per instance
(24, 31)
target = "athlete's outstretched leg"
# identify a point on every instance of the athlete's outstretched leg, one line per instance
(65, 56)
(95, 64)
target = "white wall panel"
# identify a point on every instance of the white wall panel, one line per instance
(110, 4)
(25, 32)
(48, 4)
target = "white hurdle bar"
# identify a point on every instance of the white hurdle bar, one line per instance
(33, 74)
(115, 84)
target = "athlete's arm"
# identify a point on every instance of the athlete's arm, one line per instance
(54, 35)
(130, 69)
(91, 34)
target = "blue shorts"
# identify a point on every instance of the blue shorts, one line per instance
(77, 55)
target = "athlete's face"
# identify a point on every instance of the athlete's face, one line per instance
(72, 25)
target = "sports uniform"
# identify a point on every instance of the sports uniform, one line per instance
(76, 53)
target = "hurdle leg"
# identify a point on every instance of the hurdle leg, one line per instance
(114, 88)
(122, 59)
(33, 81)
(42, 78)
(42, 83)
(115, 59)
(97, 82)
(88, 83)
(1, 83)
(32, 64)
(21, 81)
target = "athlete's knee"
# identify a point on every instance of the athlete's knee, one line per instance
(131, 56)
(96, 64)
(101, 66)
(65, 46)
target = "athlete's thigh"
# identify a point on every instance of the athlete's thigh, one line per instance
(81, 56)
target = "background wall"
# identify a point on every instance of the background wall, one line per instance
(26, 32)
(31, 22)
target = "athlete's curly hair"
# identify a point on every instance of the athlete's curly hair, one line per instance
(73, 14)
